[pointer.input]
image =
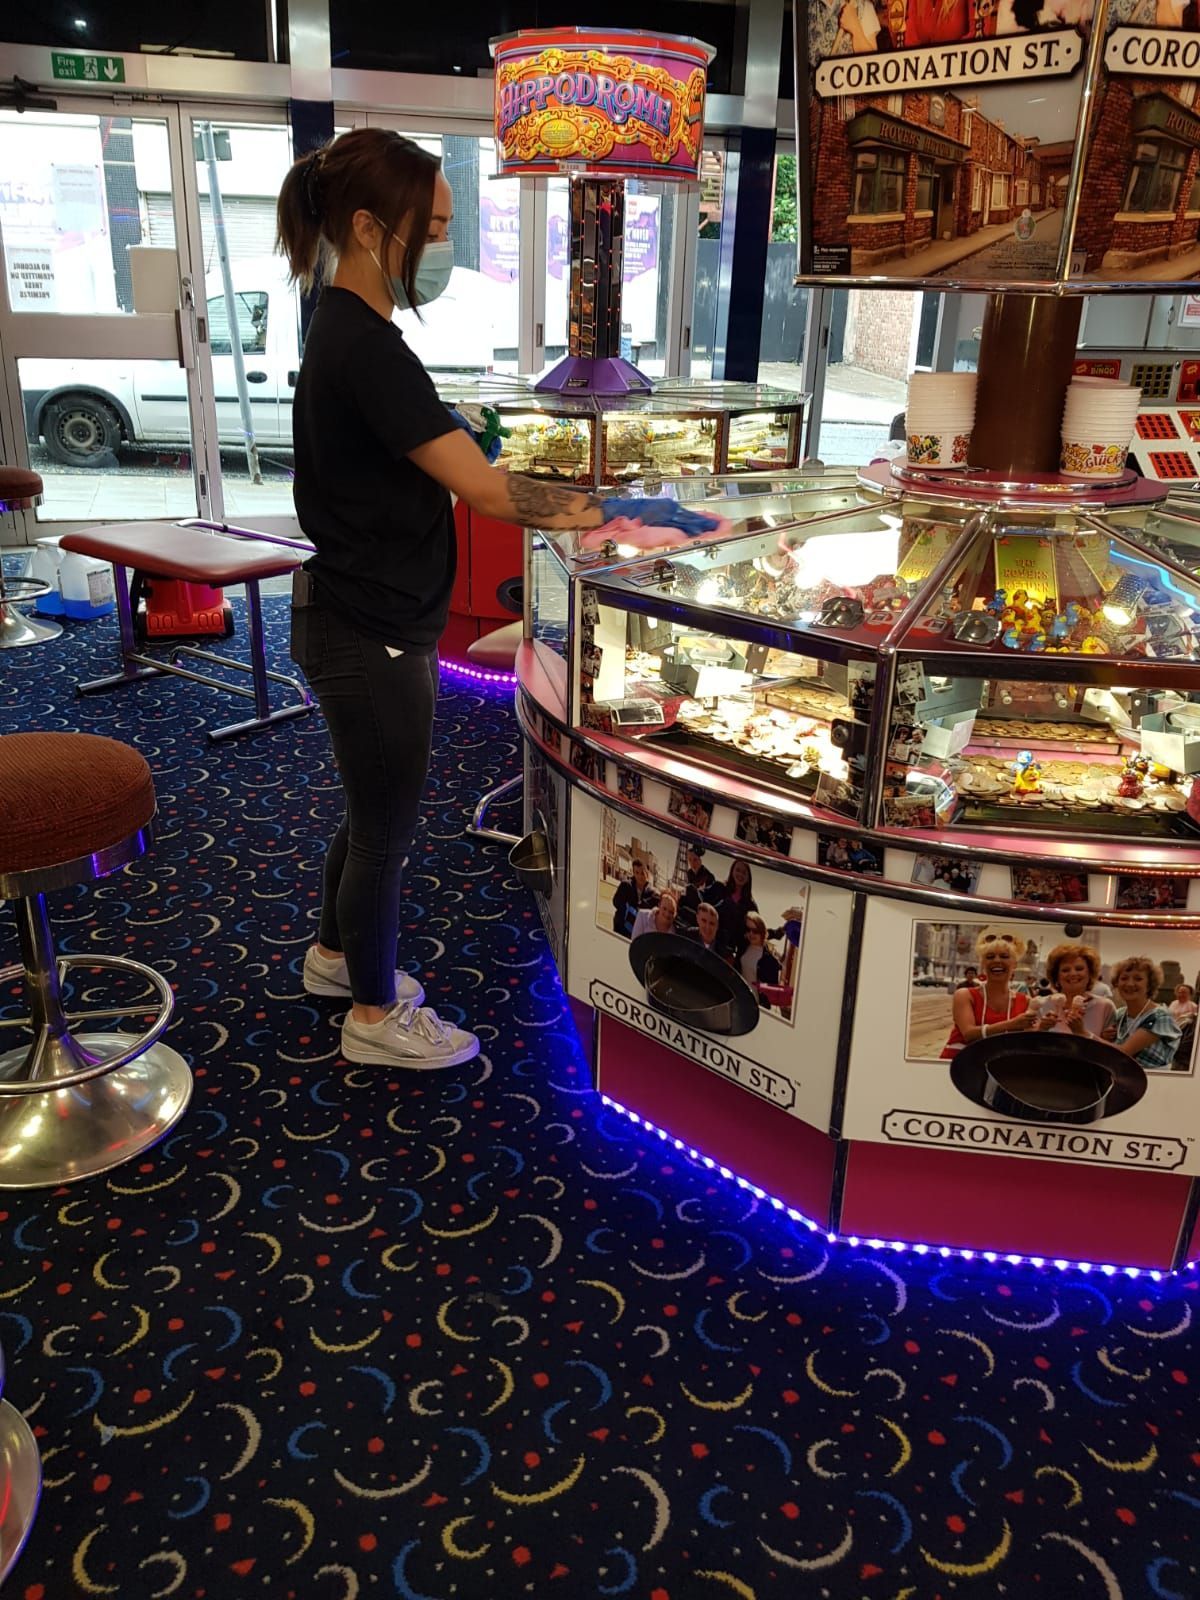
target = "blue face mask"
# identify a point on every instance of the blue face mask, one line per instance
(433, 274)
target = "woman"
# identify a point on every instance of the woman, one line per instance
(756, 962)
(659, 919)
(737, 899)
(994, 1007)
(1074, 1007)
(377, 458)
(1144, 1029)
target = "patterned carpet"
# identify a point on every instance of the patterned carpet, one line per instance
(353, 1334)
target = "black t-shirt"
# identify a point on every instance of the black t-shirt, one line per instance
(383, 529)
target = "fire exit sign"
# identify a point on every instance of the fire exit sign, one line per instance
(71, 67)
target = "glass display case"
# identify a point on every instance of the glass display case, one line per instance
(681, 428)
(914, 665)
(547, 592)
(737, 650)
(756, 486)
(1049, 681)
(658, 437)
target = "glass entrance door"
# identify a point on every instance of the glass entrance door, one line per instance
(237, 162)
(87, 369)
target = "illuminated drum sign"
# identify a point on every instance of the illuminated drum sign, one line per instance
(605, 102)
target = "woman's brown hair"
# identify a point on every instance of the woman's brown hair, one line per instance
(1068, 952)
(367, 169)
(1152, 970)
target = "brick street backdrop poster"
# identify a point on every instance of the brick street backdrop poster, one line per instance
(1139, 208)
(940, 136)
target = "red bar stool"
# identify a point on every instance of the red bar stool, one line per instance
(19, 490)
(74, 808)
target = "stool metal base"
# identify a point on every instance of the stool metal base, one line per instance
(477, 828)
(17, 629)
(63, 1135)
(21, 1482)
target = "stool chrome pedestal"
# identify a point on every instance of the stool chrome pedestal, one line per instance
(20, 491)
(20, 1481)
(17, 629)
(76, 1103)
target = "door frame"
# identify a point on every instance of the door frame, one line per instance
(108, 336)
(226, 114)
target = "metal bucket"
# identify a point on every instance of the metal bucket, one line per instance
(532, 862)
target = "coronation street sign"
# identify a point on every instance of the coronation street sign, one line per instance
(947, 66)
(1153, 53)
(708, 1051)
(1058, 1143)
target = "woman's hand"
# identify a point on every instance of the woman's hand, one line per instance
(1046, 1020)
(1109, 1032)
(1020, 1024)
(495, 445)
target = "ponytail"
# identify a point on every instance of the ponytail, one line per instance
(367, 169)
(298, 233)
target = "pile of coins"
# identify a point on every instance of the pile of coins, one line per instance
(797, 744)
(1065, 785)
(1031, 732)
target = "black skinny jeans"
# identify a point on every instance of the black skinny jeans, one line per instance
(379, 710)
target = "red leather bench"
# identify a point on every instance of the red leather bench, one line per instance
(221, 557)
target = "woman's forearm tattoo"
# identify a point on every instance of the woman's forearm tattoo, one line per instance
(537, 502)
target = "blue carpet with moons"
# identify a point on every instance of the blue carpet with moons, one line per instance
(351, 1333)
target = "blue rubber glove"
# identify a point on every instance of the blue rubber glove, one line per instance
(494, 448)
(658, 514)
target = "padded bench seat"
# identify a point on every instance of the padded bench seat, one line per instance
(219, 557)
(169, 550)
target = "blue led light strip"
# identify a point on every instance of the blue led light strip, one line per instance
(478, 674)
(901, 1247)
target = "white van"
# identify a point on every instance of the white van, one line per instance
(84, 411)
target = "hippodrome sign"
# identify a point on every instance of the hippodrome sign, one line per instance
(602, 101)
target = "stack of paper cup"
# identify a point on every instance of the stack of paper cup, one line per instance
(1098, 423)
(939, 419)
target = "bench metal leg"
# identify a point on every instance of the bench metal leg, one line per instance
(476, 826)
(131, 671)
(135, 666)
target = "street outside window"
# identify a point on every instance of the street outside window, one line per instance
(251, 320)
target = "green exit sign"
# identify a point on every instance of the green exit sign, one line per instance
(71, 67)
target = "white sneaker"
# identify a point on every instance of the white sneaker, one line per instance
(409, 1036)
(324, 976)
